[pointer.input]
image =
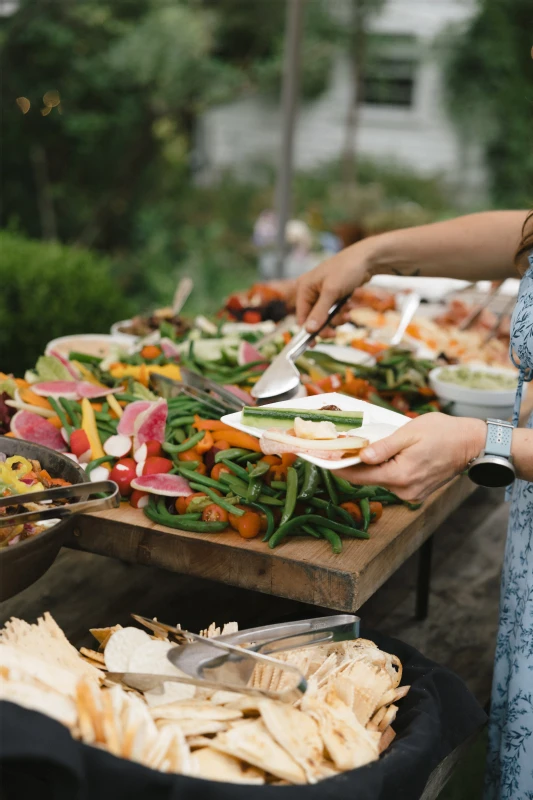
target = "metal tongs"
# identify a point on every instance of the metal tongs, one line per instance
(281, 380)
(83, 490)
(193, 385)
(227, 662)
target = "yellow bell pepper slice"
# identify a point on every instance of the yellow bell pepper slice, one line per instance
(114, 405)
(140, 373)
(88, 424)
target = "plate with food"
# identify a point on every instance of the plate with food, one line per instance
(328, 430)
(29, 548)
(476, 390)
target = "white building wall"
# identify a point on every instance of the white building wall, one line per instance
(421, 137)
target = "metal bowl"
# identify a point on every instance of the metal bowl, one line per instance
(23, 563)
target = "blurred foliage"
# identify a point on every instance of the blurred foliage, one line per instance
(490, 87)
(51, 290)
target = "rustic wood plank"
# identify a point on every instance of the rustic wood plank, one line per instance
(301, 569)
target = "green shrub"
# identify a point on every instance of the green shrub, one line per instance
(49, 290)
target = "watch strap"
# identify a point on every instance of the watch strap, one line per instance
(499, 438)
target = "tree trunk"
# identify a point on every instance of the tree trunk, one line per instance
(357, 56)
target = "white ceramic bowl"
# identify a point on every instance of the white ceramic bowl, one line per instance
(95, 344)
(479, 403)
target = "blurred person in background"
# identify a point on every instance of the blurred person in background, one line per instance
(432, 449)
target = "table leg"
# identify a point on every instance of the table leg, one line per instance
(423, 583)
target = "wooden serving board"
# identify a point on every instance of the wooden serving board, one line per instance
(301, 568)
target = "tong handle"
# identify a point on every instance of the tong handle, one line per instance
(110, 488)
(301, 341)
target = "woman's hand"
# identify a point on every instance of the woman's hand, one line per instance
(421, 456)
(317, 290)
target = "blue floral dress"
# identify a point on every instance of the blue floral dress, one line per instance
(510, 756)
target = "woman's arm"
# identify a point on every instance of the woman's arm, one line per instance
(430, 451)
(475, 247)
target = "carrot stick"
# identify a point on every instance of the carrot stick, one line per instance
(56, 422)
(27, 396)
(238, 439)
(210, 424)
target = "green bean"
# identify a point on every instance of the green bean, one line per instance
(311, 480)
(290, 497)
(254, 489)
(73, 410)
(343, 486)
(330, 486)
(61, 414)
(236, 470)
(271, 501)
(365, 492)
(314, 519)
(83, 358)
(203, 479)
(333, 538)
(311, 531)
(365, 510)
(96, 463)
(248, 456)
(180, 522)
(279, 485)
(101, 416)
(127, 398)
(220, 501)
(336, 512)
(188, 444)
(233, 452)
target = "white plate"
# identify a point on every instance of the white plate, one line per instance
(428, 288)
(377, 422)
(479, 403)
(96, 344)
(345, 354)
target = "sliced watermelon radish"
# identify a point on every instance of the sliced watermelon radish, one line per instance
(166, 485)
(66, 363)
(91, 391)
(169, 348)
(66, 389)
(246, 398)
(247, 354)
(130, 414)
(141, 454)
(36, 429)
(117, 446)
(150, 425)
(139, 469)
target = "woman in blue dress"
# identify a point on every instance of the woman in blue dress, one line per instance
(432, 449)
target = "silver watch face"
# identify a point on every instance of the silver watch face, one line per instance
(492, 471)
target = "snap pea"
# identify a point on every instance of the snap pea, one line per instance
(270, 501)
(254, 489)
(279, 485)
(333, 538)
(73, 410)
(179, 435)
(101, 416)
(314, 519)
(178, 422)
(61, 414)
(235, 484)
(188, 444)
(233, 452)
(218, 500)
(190, 465)
(83, 358)
(342, 485)
(365, 510)
(199, 503)
(330, 486)
(318, 502)
(248, 456)
(259, 469)
(237, 471)
(365, 492)
(290, 498)
(127, 398)
(96, 463)
(311, 479)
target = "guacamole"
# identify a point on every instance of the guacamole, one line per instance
(470, 378)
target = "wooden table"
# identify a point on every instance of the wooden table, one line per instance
(300, 569)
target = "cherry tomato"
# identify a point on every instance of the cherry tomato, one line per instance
(252, 317)
(79, 442)
(123, 473)
(155, 465)
(218, 470)
(137, 499)
(221, 445)
(214, 513)
(234, 519)
(249, 525)
(153, 448)
(354, 511)
(376, 510)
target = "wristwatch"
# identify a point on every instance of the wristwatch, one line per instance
(494, 467)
